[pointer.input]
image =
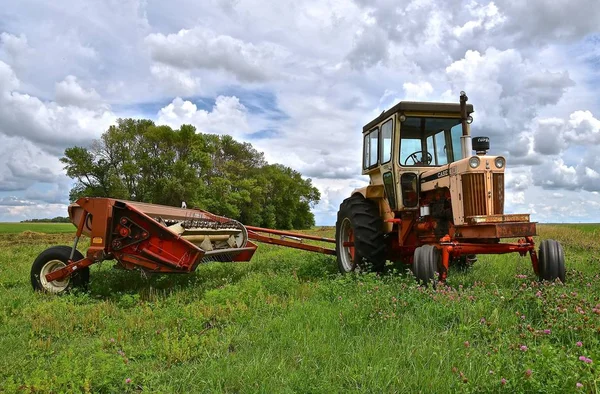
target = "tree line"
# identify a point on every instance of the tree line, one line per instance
(57, 219)
(140, 161)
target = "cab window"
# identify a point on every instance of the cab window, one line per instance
(386, 142)
(429, 142)
(371, 147)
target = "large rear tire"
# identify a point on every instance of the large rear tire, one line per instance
(551, 260)
(52, 259)
(426, 263)
(359, 222)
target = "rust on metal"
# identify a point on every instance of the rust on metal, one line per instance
(516, 217)
(496, 230)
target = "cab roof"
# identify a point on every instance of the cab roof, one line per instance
(414, 106)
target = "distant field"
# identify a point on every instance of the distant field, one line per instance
(47, 228)
(288, 322)
(585, 227)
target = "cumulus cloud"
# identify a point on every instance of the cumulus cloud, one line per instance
(228, 116)
(554, 135)
(583, 128)
(556, 174)
(517, 181)
(417, 91)
(22, 164)
(51, 125)
(70, 93)
(201, 48)
(16, 47)
(370, 48)
(30, 210)
(508, 92)
(175, 81)
(8, 79)
(300, 84)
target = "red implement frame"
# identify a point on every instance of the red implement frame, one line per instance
(451, 249)
(294, 240)
(129, 232)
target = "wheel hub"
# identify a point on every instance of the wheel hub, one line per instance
(55, 286)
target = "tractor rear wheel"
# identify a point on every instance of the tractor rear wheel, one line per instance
(426, 262)
(53, 259)
(551, 261)
(359, 226)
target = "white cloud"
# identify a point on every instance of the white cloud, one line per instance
(175, 81)
(228, 116)
(70, 93)
(15, 47)
(583, 128)
(417, 91)
(298, 79)
(8, 79)
(22, 164)
(51, 125)
(508, 92)
(201, 48)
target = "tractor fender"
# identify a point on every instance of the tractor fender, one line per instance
(376, 193)
(371, 192)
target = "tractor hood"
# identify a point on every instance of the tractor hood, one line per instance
(473, 164)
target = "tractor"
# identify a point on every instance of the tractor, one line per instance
(431, 203)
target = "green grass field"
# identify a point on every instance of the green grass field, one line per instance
(48, 228)
(287, 322)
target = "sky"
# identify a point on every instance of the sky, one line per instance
(298, 79)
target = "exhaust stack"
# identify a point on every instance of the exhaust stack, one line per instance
(465, 140)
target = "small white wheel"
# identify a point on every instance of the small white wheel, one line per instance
(54, 286)
(53, 259)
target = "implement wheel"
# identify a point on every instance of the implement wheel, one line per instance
(551, 260)
(53, 259)
(359, 226)
(426, 262)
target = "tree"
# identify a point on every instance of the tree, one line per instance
(140, 161)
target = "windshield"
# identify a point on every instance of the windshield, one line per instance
(429, 142)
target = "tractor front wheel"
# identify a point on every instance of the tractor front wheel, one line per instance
(53, 259)
(551, 261)
(426, 262)
(359, 236)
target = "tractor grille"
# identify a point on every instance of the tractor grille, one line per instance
(498, 192)
(474, 194)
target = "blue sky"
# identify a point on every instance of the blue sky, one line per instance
(298, 79)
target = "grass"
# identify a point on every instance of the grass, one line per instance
(47, 228)
(287, 322)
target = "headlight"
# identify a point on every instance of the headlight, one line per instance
(499, 162)
(474, 162)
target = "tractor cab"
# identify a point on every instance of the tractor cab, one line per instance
(412, 138)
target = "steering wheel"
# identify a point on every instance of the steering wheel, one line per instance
(415, 159)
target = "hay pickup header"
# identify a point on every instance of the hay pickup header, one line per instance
(153, 238)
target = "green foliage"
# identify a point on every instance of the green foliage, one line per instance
(137, 160)
(287, 322)
(57, 219)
